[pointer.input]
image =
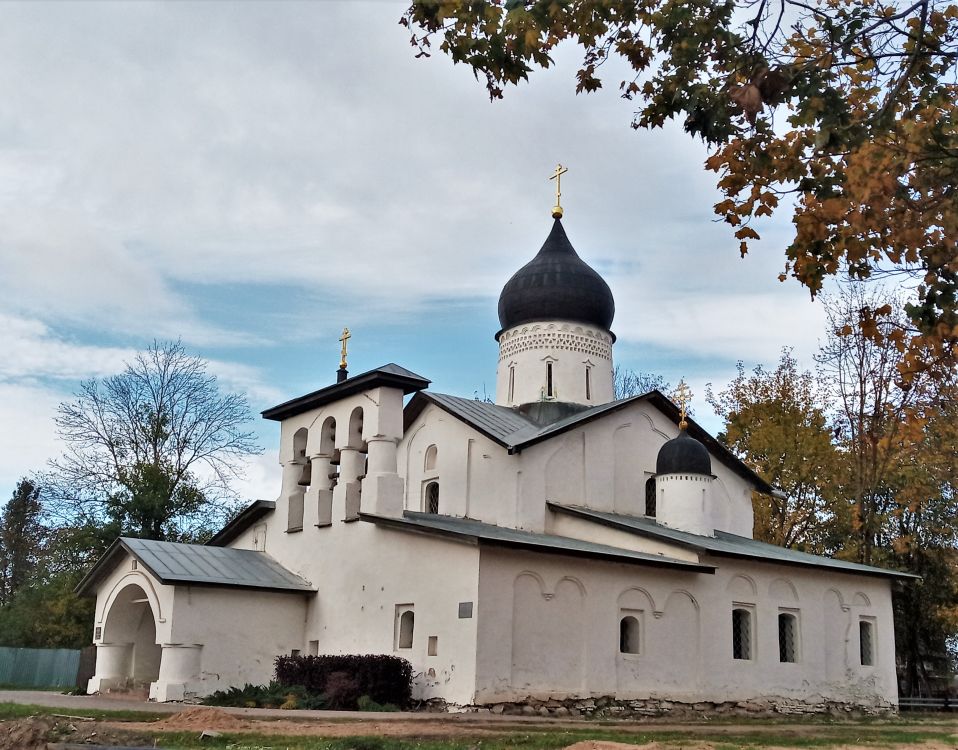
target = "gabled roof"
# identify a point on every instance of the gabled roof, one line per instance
(485, 534)
(250, 515)
(391, 376)
(723, 543)
(199, 565)
(516, 432)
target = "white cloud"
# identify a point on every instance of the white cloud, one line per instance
(27, 434)
(32, 350)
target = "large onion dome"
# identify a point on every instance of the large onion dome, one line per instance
(556, 285)
(683, 455)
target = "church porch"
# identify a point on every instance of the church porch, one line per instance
(171, 618)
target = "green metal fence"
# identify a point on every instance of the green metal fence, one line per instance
(39, 667)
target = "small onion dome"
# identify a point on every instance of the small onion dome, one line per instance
(683, 455)
(556, 285)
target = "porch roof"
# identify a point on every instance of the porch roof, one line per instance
(199, 565)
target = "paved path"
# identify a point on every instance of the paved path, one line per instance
(107, 703)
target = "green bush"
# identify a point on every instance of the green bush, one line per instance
(343, 679)
(273, 695)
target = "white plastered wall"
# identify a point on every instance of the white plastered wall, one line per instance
(603, 465)
(553, 621)
(572, 348)
(362, 573)
(477, 478)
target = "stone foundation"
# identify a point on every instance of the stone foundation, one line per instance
(609, 707)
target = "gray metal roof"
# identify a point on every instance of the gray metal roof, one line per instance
(196, 564)
(498, 422)
(516, 432)
(466, 529)
(726, 544)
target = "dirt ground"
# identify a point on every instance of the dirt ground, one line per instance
(34, 733)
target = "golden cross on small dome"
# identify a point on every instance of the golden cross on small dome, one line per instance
(344, 338)
(683, 395)
(557, 176)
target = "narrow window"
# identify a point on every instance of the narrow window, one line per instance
(548, 379)
(787, 637)
(588, 383)
(866, 642)
(628, 635)
(407, 621)
(512, 383)
(741, 634)
(432, 647)
(432, 497)
(430, 461)
(650, 497)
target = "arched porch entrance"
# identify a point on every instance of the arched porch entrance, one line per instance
(128, 655)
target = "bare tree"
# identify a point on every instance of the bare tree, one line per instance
(863, 359)
(153, 450)
(626, 383)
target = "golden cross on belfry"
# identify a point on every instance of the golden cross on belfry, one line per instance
(557, 176)
(683, 395)
(344, 338)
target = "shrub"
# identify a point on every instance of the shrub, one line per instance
(273, 695)
(382, 678)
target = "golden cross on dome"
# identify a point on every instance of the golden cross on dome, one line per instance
(683, 395)
(344, 338)
(557, 176)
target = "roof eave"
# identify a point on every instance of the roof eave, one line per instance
(364, 381)
(246, 518)
(405, 525)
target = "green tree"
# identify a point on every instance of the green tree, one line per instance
(776, 422)
(152, 451)
(842, 112)
(21, 539)
(921, 535)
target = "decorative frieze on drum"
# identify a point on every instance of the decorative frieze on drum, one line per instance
(573, 338)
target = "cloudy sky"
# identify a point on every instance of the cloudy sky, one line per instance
(252, 177)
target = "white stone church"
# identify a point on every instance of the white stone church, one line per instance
(556, 544)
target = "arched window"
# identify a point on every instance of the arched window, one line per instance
(407, 621)
(650, 497)
(866, 642)
(431, 500)
(741, 634)
(629, 635)
(787, 637)
(588, 383)
(430, 463)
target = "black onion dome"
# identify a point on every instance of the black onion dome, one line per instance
(683, 455)
(556, 285)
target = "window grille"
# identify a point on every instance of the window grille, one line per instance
(787, 637)
(628, 635)
(650, 497)
(432, 497)
(741, 634)
(866, 642)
